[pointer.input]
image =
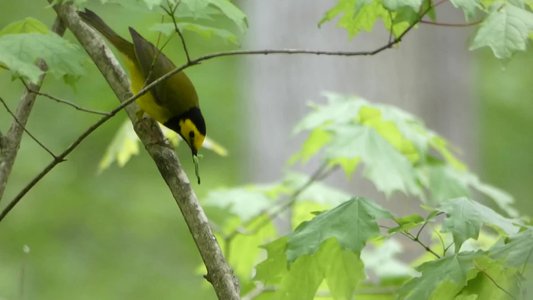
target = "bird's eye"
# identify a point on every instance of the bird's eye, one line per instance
(191, 134)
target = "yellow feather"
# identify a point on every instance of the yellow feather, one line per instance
(147, 101)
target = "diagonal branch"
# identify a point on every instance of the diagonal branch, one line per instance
(62, 101)
(24, 128)
(218, 271)
(10, 143)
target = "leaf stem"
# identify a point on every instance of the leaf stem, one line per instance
(171, 10)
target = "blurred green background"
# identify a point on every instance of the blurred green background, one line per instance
(119, 234)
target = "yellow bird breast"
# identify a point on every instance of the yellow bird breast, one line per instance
(147, 101)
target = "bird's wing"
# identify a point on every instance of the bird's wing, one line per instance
(176, 93)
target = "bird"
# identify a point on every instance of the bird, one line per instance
(172, 102)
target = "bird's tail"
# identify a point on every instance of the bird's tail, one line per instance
(97, 23)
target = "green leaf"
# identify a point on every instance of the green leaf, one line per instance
(341, 269)
(316, 140)
(19, 52)
(354, 15)
(441, 146)
(445, 182)
(517, 251)
(348, 165)
(465, 218)
(275, 266)
(245, 202)
(442, 278)
(28, 25)
(339, 109)
(372, 117)
(469, 7)
(500, 197)
(491, 272)
(232, 12)
(395, 146)
(304, 211)
(204, 31)
(380, 260)
(352, 223)
(397, 4)
(243, 252)
(302, 280)
(123, 146)
(206, 8)
(316, 192)
(407, 223)
(388, 169)
(358, 15)
(195, 10)
(414, 131)
(505, 30)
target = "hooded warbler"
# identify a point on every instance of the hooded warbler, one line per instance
(173, 102)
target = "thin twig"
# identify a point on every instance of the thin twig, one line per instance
(26, 130)
(282, 205)
(59, 100)
(61, 157)
(426, 221)
(391, 29)
(422, 228)
(171, 11)
(448, 248)
(415, 239)
(156, 57)
(410, 236)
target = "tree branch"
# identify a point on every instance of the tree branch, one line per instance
(171, 13)
(62, 101)
(219, 273)
(24, 128)
(10, 143)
